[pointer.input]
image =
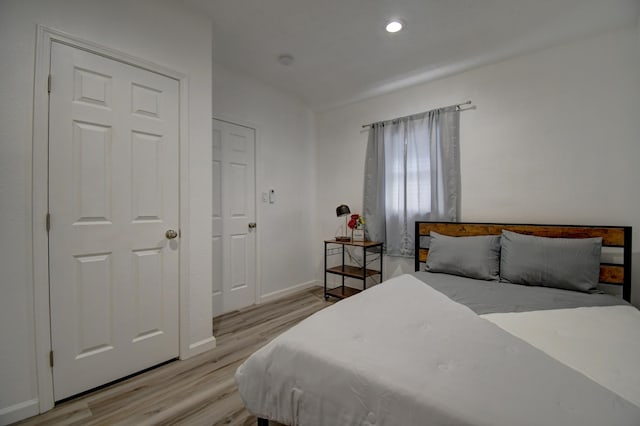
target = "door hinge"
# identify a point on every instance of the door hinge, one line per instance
(51, 359)
(49, 84)
(48, 221)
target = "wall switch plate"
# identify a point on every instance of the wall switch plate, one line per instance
(272, 196)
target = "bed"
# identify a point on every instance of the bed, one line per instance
(461, 341)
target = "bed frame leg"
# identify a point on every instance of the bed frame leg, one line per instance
(263, 422)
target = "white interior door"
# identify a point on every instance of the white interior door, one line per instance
(113, 194)
(233, 238)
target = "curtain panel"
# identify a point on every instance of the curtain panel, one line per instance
(412, 172)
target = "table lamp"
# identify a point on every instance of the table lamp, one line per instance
(343, 210)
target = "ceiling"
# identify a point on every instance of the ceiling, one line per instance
(343, 54)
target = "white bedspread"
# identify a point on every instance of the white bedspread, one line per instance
(602, 343)
(402, 353)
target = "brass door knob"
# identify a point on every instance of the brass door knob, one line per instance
(171, 234)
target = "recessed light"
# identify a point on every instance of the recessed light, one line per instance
(285, 59)
(394, 26)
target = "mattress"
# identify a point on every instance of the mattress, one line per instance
(486, 297)
(596, 334)
(404, 353)
(603, 343)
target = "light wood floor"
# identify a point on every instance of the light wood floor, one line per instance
(197, 391)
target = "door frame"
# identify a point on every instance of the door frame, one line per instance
(40, 192)
(258, 198)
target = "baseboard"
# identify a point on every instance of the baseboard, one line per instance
(287, 291)
(199, 347)
(19, 411)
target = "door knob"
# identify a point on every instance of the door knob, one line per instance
(171, 234)
(252, 225)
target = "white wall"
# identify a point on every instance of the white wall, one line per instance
(554, 139)
(285, 163)
(160, 31)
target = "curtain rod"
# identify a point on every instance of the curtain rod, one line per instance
(420, 113)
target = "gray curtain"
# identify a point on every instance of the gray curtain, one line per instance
(444, 142)
(374, 206)
(412, 172)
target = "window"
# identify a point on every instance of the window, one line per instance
(408, 171)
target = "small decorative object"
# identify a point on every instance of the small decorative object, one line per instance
(356, 224)
(343, 210)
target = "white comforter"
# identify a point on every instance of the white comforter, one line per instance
(601, 342)
(402, 353)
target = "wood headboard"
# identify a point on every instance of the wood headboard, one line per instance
(612, 236)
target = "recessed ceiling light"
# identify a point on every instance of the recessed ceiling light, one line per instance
(285, 59)
(394, 26)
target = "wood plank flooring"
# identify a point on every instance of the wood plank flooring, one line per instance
(197, 391)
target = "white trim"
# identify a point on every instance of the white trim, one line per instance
(278, 294)
(199, 347)
(45, 36)
(236, 121)
(258, 198)
(18, 411)
(184, 228)
(40, 164)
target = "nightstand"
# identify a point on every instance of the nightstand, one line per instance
(350, 271)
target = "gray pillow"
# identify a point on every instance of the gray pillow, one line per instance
(472, 257)
(566, 263)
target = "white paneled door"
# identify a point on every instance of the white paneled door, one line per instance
(113, 199)
(233, 218)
